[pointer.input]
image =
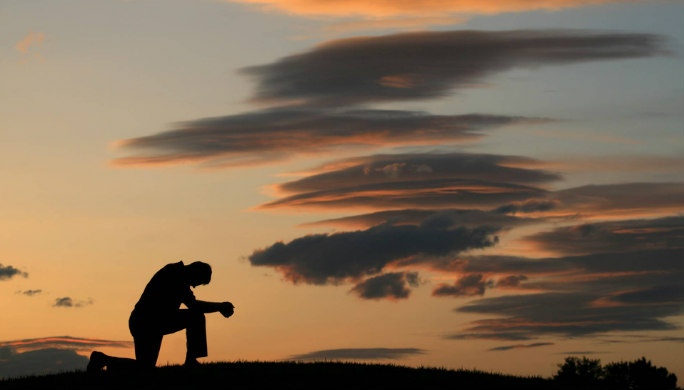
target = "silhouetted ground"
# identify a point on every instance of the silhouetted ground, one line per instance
(285, 375)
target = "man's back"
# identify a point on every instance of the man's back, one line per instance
(165, 292)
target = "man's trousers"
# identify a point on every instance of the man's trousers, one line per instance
(149, 329)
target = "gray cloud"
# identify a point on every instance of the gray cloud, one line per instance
(8, 272)
(387, 286)
(358, 354)
(274, 134)
(520, 346)
(581, 295)
(30, 293)
(431, 64)
(69, 302)
(528, 206)
(469, 218)
(334, 258)
(618, 236)
(505, 336)
(49, 354)
(43, 361)
(428, 180)
(467, 286)
(566, 314)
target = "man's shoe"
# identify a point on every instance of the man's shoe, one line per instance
(98, 361)
(191, 363)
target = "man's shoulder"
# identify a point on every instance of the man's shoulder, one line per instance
(173, 266)
(170, 270)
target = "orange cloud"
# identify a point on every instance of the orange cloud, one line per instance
(32, 38)
(388, 8)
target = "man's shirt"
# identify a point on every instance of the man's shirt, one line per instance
(166, 291)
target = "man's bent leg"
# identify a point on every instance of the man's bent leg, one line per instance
(147, 349)
(194, 323)
(196, 334)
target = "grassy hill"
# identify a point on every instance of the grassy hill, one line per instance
(285, 375)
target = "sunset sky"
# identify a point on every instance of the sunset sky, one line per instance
(491, 184)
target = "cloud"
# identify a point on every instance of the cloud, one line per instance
(68, 342)
(601, 201)
(387, 286)
(649, 261)
(520, 346)
(579, 296)
(511, 281)
(411, 23)
(565, 314)
(431, 64)
(48, 355)
(275, 134)
(528, 206)
(359, 354)
(388, 8)
(618, 236)
(335, 258)
(69, 302)
(40, 362)
(467, 286)
(32, 39)
(622, 198)
(623, 163)
(30, 293)
(8, 272)
(427, 180)
(469, 218)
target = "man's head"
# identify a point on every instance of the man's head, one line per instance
(198, 273)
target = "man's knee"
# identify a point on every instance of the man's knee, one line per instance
(197, 317)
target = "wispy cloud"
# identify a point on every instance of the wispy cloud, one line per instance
(469, 218)
(30, 293)
(432, 64)
(359, 354)
(520, 346)
(31, 39)
(429, 180)
(617, 236)
(275, 134)
(70, 302)
(580, 295)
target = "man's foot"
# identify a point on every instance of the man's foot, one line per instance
(98, 361)
(191, 362)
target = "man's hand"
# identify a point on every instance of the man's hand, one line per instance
(227, 309)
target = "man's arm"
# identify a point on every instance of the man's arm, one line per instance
(208, 307)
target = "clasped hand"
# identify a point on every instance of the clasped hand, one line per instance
(227, 309)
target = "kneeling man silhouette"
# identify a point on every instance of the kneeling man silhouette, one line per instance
(158, 313)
